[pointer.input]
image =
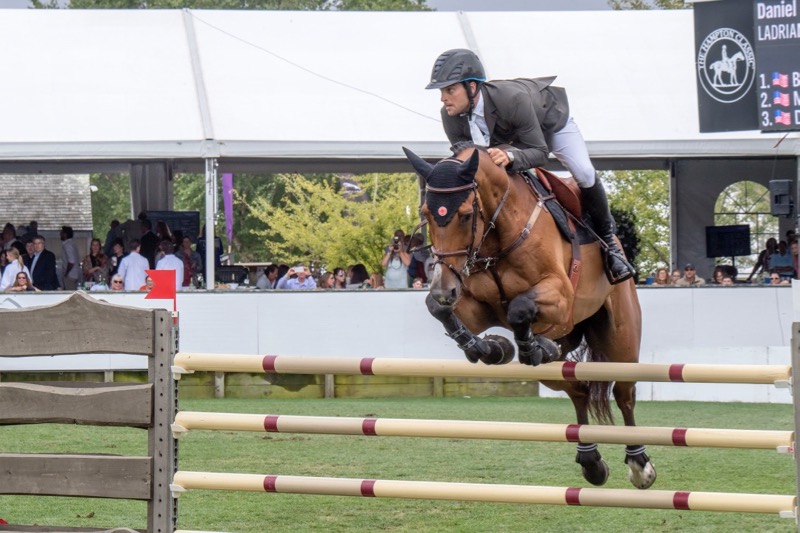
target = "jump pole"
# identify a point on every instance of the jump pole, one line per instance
(465, 429)
(557, 371)
(430, 490)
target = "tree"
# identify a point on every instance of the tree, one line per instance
(111, 200)
(648, 4)
(644, 195)
(321, 222)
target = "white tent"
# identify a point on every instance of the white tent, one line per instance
(288, 89)
(343, 91)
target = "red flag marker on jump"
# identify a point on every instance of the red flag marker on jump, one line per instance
(163, 287)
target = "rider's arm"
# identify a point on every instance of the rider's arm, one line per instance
(529, 145)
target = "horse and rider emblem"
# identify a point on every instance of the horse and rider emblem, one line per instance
(726, 65)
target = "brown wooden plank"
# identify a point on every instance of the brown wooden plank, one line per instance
(91, 476)
(12, 528)
(107, 404)
(80, 324)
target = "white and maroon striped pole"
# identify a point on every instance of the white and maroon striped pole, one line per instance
(557, 371)
(371, 488)
(465, 429)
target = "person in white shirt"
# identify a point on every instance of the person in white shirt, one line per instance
(301, 281)
(132, 267)
(69, 255)
(171, 262)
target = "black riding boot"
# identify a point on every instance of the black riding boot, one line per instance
(596, 204)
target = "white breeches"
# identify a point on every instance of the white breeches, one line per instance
(570, 149)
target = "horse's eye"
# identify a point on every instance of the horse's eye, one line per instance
(465, 218)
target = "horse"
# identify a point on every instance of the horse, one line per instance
(727, 65)
(501, 260)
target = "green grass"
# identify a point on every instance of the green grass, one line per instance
(693, 469)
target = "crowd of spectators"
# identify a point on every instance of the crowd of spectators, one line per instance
(777, 264)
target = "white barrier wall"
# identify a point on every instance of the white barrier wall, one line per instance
(736, 325)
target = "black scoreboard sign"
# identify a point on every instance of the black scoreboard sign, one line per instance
(726, 65)
(777, 33)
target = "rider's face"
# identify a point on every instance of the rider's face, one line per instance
(455, 100)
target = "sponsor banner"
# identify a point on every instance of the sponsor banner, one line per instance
(726, 65)
(777, 32)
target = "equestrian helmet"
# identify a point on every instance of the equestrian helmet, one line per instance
(456, 66)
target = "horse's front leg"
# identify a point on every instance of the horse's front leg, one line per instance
(533, 349)
(492, 349)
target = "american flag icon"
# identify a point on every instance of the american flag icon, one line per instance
(783, 118)
(779, 98)
(780, 80)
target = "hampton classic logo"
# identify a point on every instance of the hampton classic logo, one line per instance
(726, 65)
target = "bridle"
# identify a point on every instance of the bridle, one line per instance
(475, 261)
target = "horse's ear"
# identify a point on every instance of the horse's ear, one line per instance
(467, 169)
(422, 167)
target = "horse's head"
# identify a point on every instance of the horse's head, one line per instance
(452, 208)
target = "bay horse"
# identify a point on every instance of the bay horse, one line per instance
(501, 260)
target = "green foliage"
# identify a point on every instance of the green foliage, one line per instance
(317, 221)
(648, 4)
(297, 5)
(644, 194)
(111, 200)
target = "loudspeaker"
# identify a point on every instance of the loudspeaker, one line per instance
(780, 197)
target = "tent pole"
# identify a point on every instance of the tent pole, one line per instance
(211, 216)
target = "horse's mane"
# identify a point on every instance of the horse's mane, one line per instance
(460, 146)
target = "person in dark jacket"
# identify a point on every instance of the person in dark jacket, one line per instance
(531, 116)
(43, 266)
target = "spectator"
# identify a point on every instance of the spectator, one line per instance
(192, 262)
(417, 283)
(43, 266)
(268, 279)
(149, 243)
(727, 280)
(419, 257)
(690, 278)
(763, 258)
(326, 281)
(396, 262)
(781, 262)
(31, 232)
(171, 262)
(9, 235)
(717, 275)
(794, 248)
(148, 284)
(132, 267)
(117, 253)
(340, 278)
(111, 236)
(676, 275)
(662, 278)
(376, 281)
(15, 265)
(162, 231)
(358, 275)
(3, 260)
(69, 256)
(118, 282)
(30, 251)
(131, 229)
(22, 283)
(297, 278)
(95, 265)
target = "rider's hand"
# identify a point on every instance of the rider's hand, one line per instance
(499, 157)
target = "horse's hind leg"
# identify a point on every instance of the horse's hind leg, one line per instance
(593, 467)
(641, 472)
(492, 349)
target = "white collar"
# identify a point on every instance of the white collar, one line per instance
(478, 110)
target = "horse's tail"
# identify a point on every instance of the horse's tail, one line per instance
(599, 392)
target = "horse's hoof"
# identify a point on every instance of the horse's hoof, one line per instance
(641, 477)
(551, 350)
(597, 473)
(502, 351)
(531, 358)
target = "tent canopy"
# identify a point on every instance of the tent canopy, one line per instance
(304, 91)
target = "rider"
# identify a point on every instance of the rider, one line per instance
(532, 117)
